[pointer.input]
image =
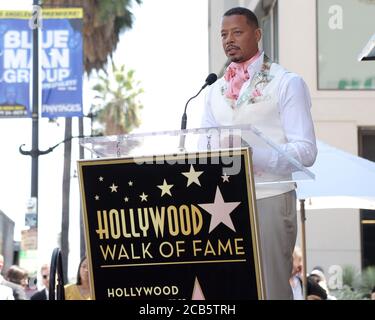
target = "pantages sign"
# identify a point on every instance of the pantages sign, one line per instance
(158, 230)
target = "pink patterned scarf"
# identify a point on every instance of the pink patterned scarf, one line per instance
(236, 75)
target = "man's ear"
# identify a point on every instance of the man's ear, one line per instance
(258, 34)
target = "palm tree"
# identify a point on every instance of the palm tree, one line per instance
(117, 108)
(103, 21)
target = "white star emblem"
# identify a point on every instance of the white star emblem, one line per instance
(225, 177)
(97, 197)
(143, 197)
(113, 187)
(126, 199)
(130, 183)
(220, 211)
(165, 188)
(192, 176)
(101, 179)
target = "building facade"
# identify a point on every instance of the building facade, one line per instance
(6, 239)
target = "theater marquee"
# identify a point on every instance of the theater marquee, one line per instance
(182, 228)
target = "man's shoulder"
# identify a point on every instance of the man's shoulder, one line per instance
(291, 76)
(292, 79)
(40, 295)
(286, 74)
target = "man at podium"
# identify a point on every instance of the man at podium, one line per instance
(255, 90)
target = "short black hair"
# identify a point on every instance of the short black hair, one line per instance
(250, 16)
(313, 288)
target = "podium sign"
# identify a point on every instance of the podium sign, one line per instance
(179, 226)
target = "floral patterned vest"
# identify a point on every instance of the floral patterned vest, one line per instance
(257, 105)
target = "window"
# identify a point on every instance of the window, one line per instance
(344, 28)
(267, 12)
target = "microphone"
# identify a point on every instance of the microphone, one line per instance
(211, 78)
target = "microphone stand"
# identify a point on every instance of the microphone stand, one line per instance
(181, 146)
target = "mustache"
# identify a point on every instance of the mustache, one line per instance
(231, 46)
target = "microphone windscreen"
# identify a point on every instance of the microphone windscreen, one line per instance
(212, 77)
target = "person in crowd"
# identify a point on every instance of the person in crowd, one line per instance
(81, 289)
(17, 279)
(43, 294)
(17, 293)
(314, 290)
(318, 274)
(297, 273)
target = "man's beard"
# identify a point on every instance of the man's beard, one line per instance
(236, 59)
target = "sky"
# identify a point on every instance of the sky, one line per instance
(168, 49)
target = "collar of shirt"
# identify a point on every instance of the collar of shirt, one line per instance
(256, 65)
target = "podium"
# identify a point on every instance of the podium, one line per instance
(172, 215)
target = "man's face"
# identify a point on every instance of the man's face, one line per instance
(45, 276)
(84, 271)
(297, 265)
(239, 38)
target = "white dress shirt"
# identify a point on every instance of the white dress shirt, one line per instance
(294, 104)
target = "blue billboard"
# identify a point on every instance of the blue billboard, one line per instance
(60, 58)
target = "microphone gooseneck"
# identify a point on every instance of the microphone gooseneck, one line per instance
(211, 78)
(184, 116)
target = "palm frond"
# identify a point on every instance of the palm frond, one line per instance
(117, 104)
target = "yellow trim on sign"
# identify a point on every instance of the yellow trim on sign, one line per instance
(56, 13)
(368, 221)
(62, 13)
(171, 263)
(251, 196)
